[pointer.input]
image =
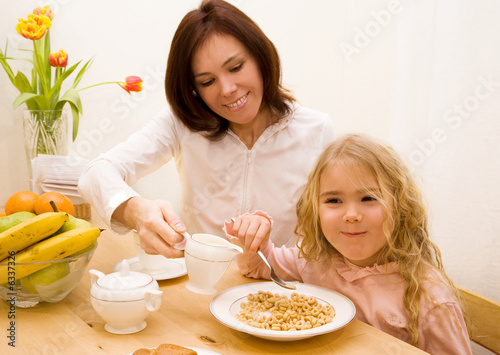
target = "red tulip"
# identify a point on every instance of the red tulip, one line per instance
(132, 83)
(58, 59)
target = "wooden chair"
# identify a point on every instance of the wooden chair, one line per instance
(484, 316)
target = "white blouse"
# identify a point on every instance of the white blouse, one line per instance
(220, 179)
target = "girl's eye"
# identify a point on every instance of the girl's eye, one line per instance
(333, 200)
(207, 83)
(236, 68)
(369, 198)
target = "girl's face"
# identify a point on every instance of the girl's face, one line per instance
(351, 213)
(228, 79)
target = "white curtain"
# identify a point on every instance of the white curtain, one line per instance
(446, 122)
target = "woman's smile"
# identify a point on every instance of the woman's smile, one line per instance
(238, 104)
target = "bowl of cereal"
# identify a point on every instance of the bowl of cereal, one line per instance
(267, 311)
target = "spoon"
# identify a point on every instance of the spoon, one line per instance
(277, 280)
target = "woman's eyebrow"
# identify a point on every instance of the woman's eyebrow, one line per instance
(228, 60)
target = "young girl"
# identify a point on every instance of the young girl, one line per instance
(363, 231)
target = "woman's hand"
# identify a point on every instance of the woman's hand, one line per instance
(156, 223)
(252, 230)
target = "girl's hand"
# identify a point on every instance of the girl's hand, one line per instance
(252, 230)
(156, 224)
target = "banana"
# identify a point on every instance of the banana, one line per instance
(30, 232)
(54, 248)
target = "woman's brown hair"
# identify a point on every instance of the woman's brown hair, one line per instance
(219, 17)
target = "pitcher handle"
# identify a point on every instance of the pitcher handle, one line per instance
(95, 275)
(153, 300)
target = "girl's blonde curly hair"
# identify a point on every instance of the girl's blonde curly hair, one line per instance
(405, 225)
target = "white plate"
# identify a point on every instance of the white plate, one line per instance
(226, 305)
(174, 268)
(200, 351)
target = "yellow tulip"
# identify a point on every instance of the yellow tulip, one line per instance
(43, 93)
(34, 27)
(46, 11)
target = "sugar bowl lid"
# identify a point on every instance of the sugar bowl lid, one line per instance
(123, 285)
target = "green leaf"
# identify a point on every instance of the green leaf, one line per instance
(82, 72)
(73, 98)
(40, 66)
(21, 99)
(34, 80)
(55, 97)
(46, 53)
(22, 83)
(33, 101)
(6, 66)
(64, 75)
(76, 121)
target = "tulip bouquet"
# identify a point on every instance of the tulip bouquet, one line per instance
(44, 91)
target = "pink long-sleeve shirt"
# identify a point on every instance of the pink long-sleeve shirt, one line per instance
(377, 292)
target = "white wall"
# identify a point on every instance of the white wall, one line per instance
(340, 57)
(134, 39)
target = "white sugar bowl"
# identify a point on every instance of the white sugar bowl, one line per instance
(124, 298)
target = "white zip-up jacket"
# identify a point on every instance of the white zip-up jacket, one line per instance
(220, 179)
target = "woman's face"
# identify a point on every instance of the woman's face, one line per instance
(228, 79)
(352, 214)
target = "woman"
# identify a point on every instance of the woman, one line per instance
(239, 140)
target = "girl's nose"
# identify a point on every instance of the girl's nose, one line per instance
(352, 215)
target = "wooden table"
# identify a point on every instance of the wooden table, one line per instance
(72, 327)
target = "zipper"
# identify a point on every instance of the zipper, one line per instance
(245, 182)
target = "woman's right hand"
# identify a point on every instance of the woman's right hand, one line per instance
(156, 223)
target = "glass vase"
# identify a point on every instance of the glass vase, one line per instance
(45, 132)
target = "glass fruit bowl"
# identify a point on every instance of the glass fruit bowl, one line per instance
(51, 284)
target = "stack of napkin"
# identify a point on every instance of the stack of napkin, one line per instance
(61, 174)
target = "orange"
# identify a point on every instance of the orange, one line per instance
(22, 201)
(63, 203)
